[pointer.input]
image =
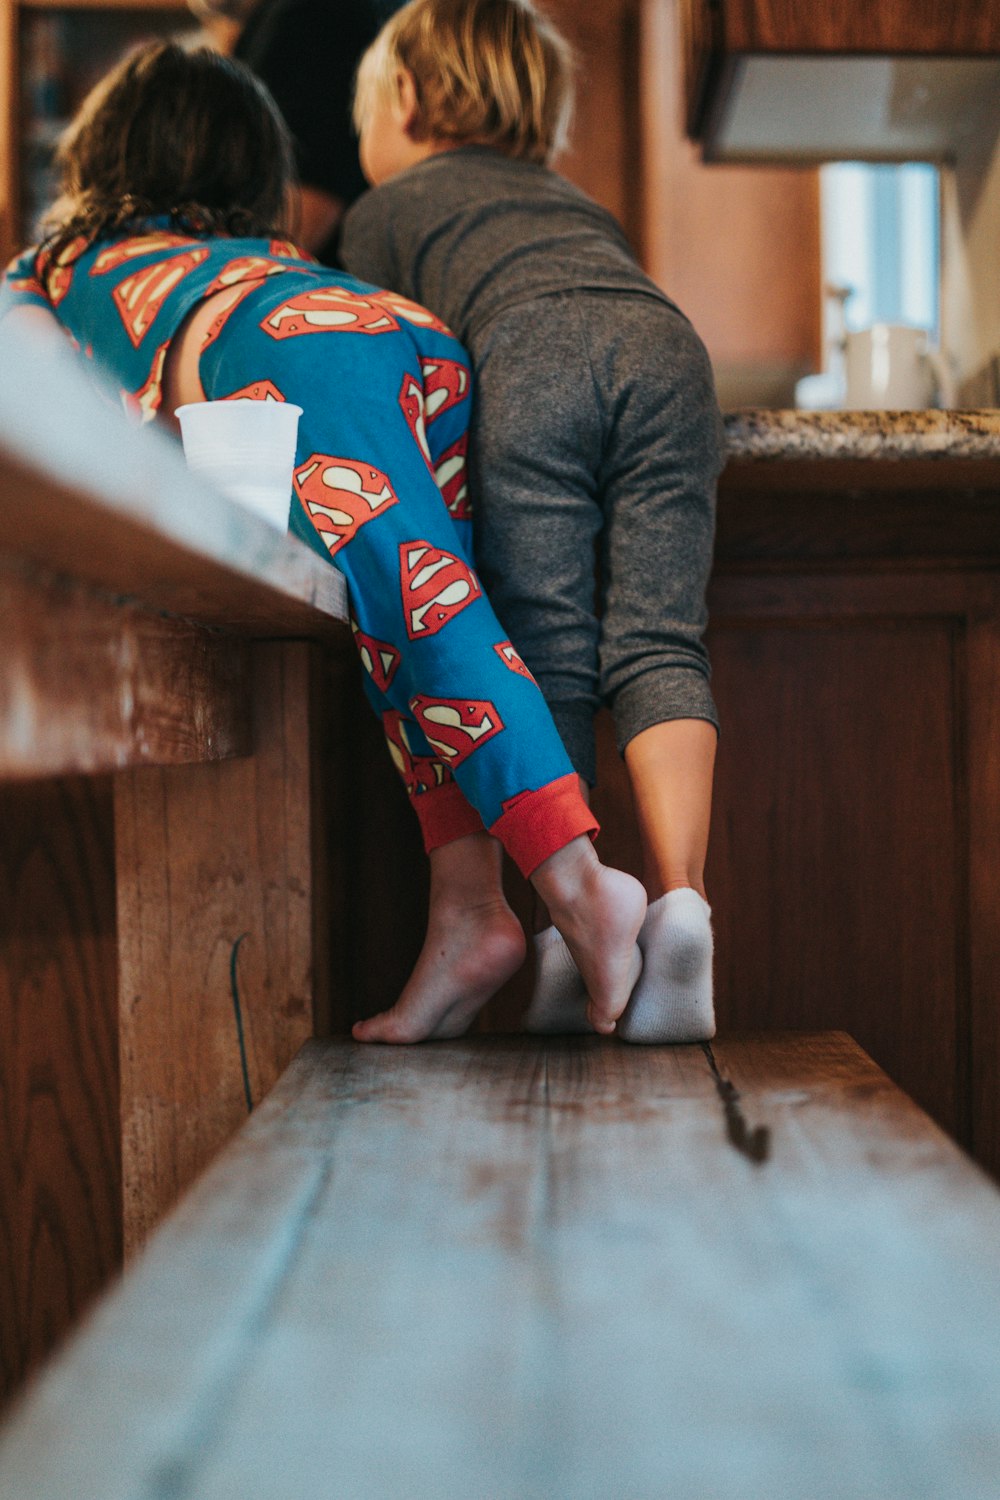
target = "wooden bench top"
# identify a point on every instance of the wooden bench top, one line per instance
(516, 1268)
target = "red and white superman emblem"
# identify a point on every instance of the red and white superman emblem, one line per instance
(240, 277)
(128, 250)
(26, 284)
(258, 390)
(288, 251)
(57, 275)
(411, 400)
(510, 658)
(452, 477)
(411, 311)
(330, 309)
(456, 727)
(436, 586)
(420, 773)
(340, 495)
(140, 296)
(223, 308)
(446, 383)
(245, 268)
(145, 402)
(379, 658)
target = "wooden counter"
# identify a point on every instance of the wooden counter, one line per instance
(855, 859)
(167, 678)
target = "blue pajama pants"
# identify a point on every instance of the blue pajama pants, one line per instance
(380, 490)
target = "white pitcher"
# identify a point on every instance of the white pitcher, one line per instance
(891, 367)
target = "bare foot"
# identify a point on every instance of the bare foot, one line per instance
(468, 953)
(599, 912)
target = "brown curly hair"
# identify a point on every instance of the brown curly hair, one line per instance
(173, 131)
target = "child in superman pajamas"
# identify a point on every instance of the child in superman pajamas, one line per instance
(174, 313)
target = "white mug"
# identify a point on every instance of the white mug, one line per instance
(890, 367)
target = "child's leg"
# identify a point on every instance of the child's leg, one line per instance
(535, 454)
(367, 496)
(670, 768)
(536, 451)
(660, 457)
(659, 498)
(474, 944)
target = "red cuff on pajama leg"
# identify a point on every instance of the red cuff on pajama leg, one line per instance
(445, 815)
(536, 824)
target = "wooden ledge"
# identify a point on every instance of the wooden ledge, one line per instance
(520, 1268)
(189, 552)
(83, 493)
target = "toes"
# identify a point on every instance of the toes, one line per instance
(603, 1025)
(385, 1027)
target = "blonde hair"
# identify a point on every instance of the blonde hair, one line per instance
(495, 72)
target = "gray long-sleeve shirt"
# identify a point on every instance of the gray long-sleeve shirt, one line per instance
(469, 233)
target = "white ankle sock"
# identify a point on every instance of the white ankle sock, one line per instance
(673, 1000)
(559, 999)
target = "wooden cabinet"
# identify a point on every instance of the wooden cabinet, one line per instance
(774, 79)
(853, 873)
(50, 56)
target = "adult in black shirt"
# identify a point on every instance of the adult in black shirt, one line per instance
(307, 52)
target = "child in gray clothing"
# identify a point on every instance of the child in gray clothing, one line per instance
(595, 432)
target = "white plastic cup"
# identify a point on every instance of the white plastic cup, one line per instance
(247, 449)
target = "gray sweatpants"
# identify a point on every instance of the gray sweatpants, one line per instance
(596, 439)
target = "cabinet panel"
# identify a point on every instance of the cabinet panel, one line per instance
(60, 1164)
(906, 26)
(834, 869)
(787, 82)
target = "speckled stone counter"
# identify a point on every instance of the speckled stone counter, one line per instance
(883, 436)
(824, 487)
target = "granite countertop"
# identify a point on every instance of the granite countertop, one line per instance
(884, 436)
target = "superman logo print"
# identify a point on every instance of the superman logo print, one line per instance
(420, 773)
(329, 309)
(451, 473)
(379, 658)
(140, 296)
(144, 403)
(57, 275)
(443, 383)
(257, 390)
(340, 495)
(436, 586)
(411, 401)
(420, 404)
(446, 383)
(511, 659)
(126, 251)
(419, 316)
(456, 727)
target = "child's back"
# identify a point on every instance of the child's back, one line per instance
(471, 232)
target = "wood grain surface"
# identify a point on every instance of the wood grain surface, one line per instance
(980, 814)
(60, 1178)
(172, 543)
(216, 932)
(908, 26)
(88, 684)
(523, 1269)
